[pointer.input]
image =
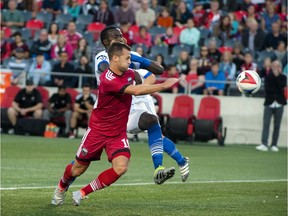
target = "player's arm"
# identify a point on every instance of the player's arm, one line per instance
(148, 89)
(34, 108)
(16, 106)
(150, 65)
(104, 65)
(151, 79)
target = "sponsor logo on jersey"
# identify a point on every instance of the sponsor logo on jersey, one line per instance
(109, 75)
(102, 57)
(129, 79)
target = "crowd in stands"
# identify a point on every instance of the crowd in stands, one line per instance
(200, 41)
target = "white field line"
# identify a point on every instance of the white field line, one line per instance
(142, 184)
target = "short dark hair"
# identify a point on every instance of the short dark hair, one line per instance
(116, 48)
(17, 34)
(61, 87)
(104, 33)
(214, 62)
(86, 85)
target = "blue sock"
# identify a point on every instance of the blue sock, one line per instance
(155, 143)
(170, 149)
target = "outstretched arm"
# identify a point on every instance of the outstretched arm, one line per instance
(150, 65)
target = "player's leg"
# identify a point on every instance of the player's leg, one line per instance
(73, 123)
(118, 152)
(67, 117)
(183, 162)
(38, 114)
(12, 115)
(150, 123)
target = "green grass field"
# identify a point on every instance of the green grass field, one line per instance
(231, 180)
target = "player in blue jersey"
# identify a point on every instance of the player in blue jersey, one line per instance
(142, 114)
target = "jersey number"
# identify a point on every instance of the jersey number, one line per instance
(125, 142)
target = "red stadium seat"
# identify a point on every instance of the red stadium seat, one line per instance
(209, 124)
(95, 28)
(9, 95)
(34, 25)
(134, 29)
(73, 93)
(7, 32)
(180, 122)
(286, 92)
(44, 94)
(177, 30)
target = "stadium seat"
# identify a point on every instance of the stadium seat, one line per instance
(230, 43)
(208, 123)
(170, 59)
(265, 54)
(7, 32)
(155, 50)
(9, 95)
(181, 47)
(34, 25)
(218, 41)
(26, 34)
(63, 18)
(73, 93)
(156, 30)
(27, 15)
(85, 19)
(134, 29)
(180, 123)
(89, 37)
(44, 94)
(44, 16)
(95, 28)
(80, 27)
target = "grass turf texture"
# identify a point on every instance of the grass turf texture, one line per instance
(231, 180)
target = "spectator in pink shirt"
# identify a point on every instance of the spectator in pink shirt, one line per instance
(61, 46)
(144, 37)
(72, 35)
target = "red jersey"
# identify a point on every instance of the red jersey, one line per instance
(110, 116)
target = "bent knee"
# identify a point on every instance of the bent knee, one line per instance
(120, 169)
(147, 120)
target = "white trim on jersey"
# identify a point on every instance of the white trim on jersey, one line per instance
(109, 75)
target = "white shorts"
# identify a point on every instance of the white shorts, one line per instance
(135, 113)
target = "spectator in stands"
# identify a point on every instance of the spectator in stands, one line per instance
(251, 14)
(273, 38)
(159, 58)
(5, 47)
(27, 103)
(269, 17)
(168, 39)
(181, 15)
(229, 6)
(19, 66)
(165, 20)
(19, 43)
(21, 5)
(135, 5)
(12, 18)
(145, 16)
(214, 88)
(193, 80)
(40, 70)
(53, 32)
(82, 108)
(74, 8)
(171, 72)
(248, 62)
(223, 30)
(85, 68)
(124, 14)
(266, 69)
(72, 35)
(183, 62)
(190, 35)
(82, 50)
(140, 51)
(253, 37)
(229, 69)
(281, 51)
(156, 7)
(60, 46)
(245, 5)
(198, 13)
(42, 45)
(90, 7)
(212, 16)
(64, 67)
(52, 6)
(144, 37)
(213, 51)
(59, 106)
(204, 62)
(127, 34)
(104, 14)
(274, 104)
(238, 56)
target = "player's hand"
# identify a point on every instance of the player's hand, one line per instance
(170, 82)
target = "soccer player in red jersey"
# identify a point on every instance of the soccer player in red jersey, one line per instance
(112, 110)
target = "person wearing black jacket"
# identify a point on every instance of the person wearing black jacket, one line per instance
(275, 83)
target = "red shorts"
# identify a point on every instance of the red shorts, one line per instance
(93, 143)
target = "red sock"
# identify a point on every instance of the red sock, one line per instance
(104, 179)
(67, 178)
